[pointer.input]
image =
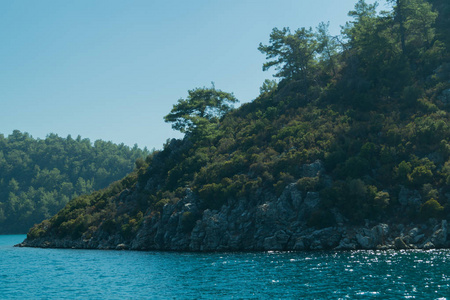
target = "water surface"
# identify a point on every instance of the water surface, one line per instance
(67, 273)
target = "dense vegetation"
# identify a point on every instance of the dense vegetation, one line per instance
(372, 104)
(39, 177)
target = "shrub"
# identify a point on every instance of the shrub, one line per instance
(355, 167)
(35, 232)
(369, 151)
(333, 159)
(431, 209)
(160, 204)
(420, 175)
(308, 184)
(284, 180)
(402, 170)
(212, 195)
(381, 200)
(411, 94)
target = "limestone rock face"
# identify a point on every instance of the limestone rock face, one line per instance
(312, 170)
(372, 238)
(439, 237)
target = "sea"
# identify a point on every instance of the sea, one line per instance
(31, 273)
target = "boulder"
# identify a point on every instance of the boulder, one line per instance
(400, 244)
(122, 247)
(379, 234)
(428, 246)
(371, 239)
(439, 237)
(278, 241)
(327, 238)
(312, 170)
(291, 196)
(312, 200)
(364, 241)
(346, 244)
(322, 239)
(414, 236)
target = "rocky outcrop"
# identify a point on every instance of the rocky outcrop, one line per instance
(264, 222)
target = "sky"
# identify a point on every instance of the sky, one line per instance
(112, 69)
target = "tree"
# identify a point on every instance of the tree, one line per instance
(364, 17)
(294, 54)
(364, 32)
(374, 60)
(328, 47)
(268, 86)
(415, 21)
(443, 20)
(202, 106)
(38, 177)
(399, 18)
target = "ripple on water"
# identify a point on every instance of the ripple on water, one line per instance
(57, 273)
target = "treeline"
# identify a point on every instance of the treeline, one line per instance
(38, 177)
(372, 105)
(378, 56)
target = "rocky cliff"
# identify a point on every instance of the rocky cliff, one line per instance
(266, 222)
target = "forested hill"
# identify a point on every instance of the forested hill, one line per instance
(39, 176)
(349, 149)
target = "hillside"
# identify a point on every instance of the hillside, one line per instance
(38, 177)
(349, 150)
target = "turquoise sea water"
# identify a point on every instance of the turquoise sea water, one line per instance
(28, 273)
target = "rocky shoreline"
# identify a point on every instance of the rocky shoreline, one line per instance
(379, 237)
(265, 223)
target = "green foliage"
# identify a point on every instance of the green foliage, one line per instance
(328, 49)
(268, 86)
(214, 195)
(356, 199)
(188, 220)
(293, 53)
(39, 177)
(369, 151)
(431, 209)
(308, 184)
(366, 103)
(420, 175)
(37, 232)
(445, 173)
(202, 107)
(355, 167)
(380, 200)
(402, 171)
(160, 204)
(414, 21)
(428, 192)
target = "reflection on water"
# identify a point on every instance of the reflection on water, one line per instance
(62, 273)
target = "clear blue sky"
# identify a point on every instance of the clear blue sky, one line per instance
(111, 69)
